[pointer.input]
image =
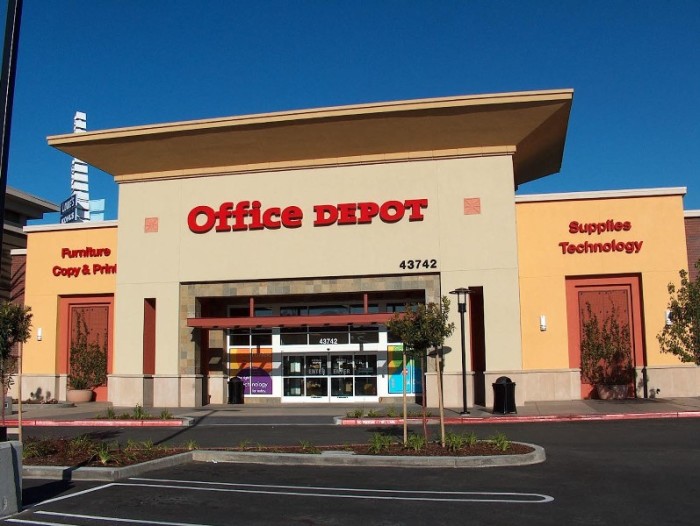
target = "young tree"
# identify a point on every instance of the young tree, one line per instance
(681, 335)
(15, 321)
(423, 328)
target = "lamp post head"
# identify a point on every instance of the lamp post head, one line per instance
(461, 293)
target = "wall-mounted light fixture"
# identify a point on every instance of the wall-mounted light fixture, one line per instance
(668, 317)
(543, 322)
(39, 334)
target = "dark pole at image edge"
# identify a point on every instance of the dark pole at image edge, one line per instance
(7, 91)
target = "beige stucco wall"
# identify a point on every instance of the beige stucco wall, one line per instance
(471, 250)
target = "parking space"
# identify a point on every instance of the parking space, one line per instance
(221, 494)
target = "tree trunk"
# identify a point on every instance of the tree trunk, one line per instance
(405, 407)
(438, 357)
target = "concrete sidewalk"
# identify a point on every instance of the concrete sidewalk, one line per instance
(94, 413)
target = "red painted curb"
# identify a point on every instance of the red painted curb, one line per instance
(98, 423)
(509, 419)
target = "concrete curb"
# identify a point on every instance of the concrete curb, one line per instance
(103, 474)
(334, 458)
(510, 419)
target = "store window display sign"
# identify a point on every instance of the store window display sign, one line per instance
(76, 268)
(251, 215)
(600, 247)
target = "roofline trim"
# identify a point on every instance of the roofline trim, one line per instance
(70, 226)
(602, 194)
(314, 113)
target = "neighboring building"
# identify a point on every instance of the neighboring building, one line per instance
(20, 207)
(692, 233)
(275, 247)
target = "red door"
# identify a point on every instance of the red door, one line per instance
(604, 295)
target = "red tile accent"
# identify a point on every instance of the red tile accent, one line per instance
(472, 206)
(151, 225)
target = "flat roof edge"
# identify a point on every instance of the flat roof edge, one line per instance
(601, 194)
(70, 226)
(691, 213)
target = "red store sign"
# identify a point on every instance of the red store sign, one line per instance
(596, 247)
(77, 268)
(250, 215)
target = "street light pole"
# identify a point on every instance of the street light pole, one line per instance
(462, 293)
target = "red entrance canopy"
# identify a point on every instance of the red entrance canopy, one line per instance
(288, 321)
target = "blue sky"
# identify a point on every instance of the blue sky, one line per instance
(634, 67)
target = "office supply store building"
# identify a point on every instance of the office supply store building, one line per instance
(274, 248)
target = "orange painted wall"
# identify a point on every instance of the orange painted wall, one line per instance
(45, 258)
(656, 221)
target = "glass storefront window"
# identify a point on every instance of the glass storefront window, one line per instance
(365, 386)
(294, 311)
(360, 309)
(293, 365)
(252, 338)
(261, 337)
(293, 387)
(364, 335)
(341, 387)
(317, 387)
(239, 337)
(341, 365)
(315, 366)
(366, 364)
(293, 336)
(326, 310)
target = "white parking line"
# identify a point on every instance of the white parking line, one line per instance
(116, 519)
(350, 493)
(40, 523)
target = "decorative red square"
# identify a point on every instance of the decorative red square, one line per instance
(472, 206)
(151, 225)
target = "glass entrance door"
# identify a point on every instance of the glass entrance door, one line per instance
(333, 377)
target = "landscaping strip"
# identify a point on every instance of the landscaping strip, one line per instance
(248, 457)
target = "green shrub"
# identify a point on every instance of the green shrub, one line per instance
(501, 442)
(140, 413)
(379, 442)
(308, 447)
(416, 442)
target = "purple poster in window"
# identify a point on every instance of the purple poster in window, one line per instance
(256, 378)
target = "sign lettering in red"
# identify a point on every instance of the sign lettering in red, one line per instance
(250, 215)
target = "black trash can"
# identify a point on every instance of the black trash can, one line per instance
(235, 390)
(504, 396)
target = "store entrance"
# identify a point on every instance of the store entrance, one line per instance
(330, 377)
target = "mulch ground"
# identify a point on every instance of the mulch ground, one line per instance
(86, 453)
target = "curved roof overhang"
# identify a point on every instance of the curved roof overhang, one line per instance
(531, 126)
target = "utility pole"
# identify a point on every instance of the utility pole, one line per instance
(7, 93)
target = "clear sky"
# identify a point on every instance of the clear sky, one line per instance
(634, 66)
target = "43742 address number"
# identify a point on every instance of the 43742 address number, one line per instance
(417, 264)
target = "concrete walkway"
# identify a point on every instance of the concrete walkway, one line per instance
(94, 413)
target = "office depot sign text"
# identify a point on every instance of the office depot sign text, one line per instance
(251, 215)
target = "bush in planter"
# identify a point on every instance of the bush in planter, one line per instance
(606, 351)
(88, 360)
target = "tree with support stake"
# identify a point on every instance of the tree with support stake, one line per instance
(423, 328)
